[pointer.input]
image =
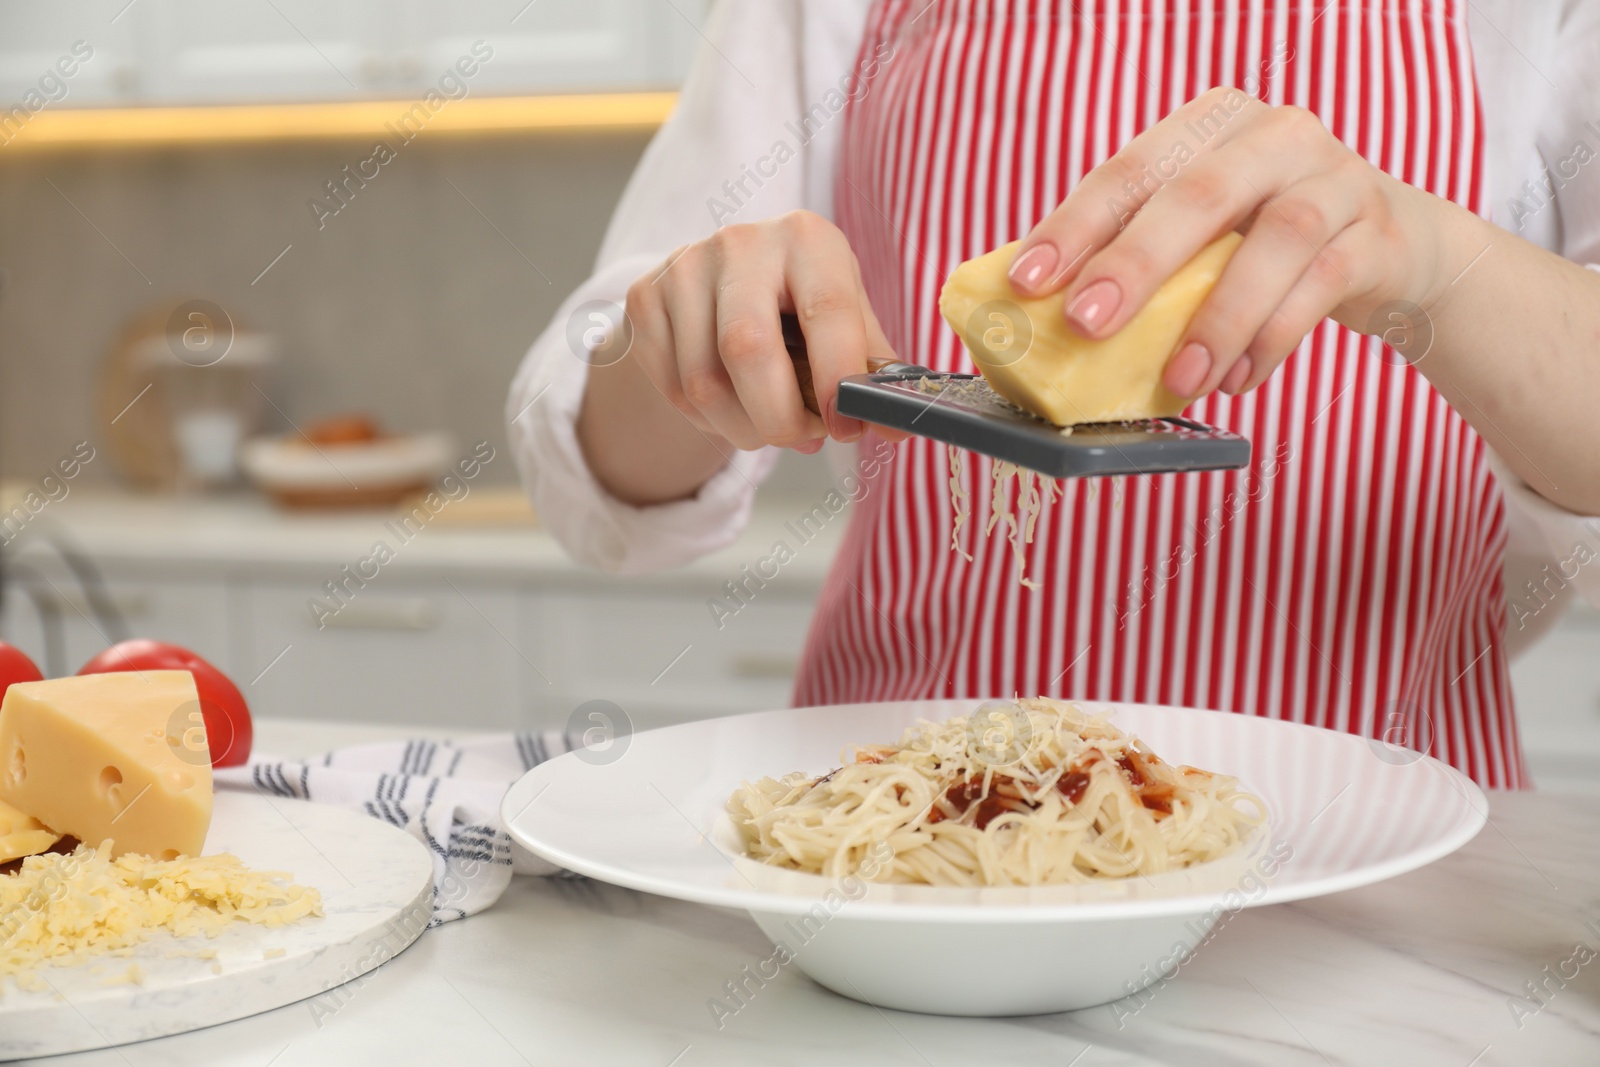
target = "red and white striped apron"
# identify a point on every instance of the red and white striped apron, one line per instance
(1352, 577)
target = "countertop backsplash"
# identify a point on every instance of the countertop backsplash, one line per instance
(415, 302)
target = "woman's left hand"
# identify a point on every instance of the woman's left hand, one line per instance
(1326, 234)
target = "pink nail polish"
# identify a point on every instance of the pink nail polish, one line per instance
(1238, 375)
(843, 429)
(1095, 306)
(1031, 269)
(810, 448)
(1189, 370)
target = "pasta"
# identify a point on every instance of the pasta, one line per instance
(1022, 793)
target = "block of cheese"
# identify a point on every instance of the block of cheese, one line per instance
(110, 756)
(1030, 356)
(22, 835)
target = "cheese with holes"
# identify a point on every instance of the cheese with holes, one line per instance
(119, 757)
(22, 835)
(1033, 358)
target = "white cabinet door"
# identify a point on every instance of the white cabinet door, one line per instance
(233, 51)
(662, 659)
(65, 55)
(193, 614)
(554, 45)
(428, 653)
(241, 51)
(1557, 685)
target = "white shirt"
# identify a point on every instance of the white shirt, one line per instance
(1539, 80)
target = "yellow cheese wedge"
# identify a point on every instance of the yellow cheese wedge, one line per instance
(1030, 356)
(107, 756)
(22, 835)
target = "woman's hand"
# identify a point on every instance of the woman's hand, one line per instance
(706, 330)
(706, 370)
(1327, 234)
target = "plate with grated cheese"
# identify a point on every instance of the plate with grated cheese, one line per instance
(1015, 856)
(288, 901)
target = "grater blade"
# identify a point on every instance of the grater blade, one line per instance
(962, 410)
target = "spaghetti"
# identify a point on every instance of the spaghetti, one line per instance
(1022, 793)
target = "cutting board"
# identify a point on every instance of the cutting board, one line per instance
(377, 897)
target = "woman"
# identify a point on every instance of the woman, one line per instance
(839, 159)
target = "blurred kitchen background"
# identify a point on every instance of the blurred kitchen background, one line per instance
(207, 263)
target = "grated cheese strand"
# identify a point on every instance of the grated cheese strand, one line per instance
(1032, 493)
(959, 501)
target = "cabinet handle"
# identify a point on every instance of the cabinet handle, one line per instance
(755, 665)
(74, 605)
(416, 614)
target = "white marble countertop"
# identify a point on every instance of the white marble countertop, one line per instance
(1430, 968)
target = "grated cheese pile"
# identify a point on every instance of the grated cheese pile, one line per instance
(62, 906)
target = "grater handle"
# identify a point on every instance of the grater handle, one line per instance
(794, 340)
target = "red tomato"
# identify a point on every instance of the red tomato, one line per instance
(226, 715)
(15, 666)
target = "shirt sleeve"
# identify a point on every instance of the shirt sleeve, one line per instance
(729, 153)
(1554, 202)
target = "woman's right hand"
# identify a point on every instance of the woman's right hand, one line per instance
(706, 331)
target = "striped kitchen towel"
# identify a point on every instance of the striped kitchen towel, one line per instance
(446, 794)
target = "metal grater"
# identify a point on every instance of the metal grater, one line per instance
(962, 410)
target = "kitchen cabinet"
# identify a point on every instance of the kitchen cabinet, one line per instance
(244, 51)
(663, 658)
(473, 629)
(35, 39)
(192, 613)
(1557, 683)
(406, 653)
(560, 46)
(195, 51)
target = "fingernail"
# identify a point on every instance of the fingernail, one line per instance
(1189, 370)
(810, 448)
(1030, 270)
(1095, 306)
(1238, 375)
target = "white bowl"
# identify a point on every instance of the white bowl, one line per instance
(648, 813)
(294, 464)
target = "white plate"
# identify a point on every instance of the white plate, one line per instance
(376, 883)
(1344, 812)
